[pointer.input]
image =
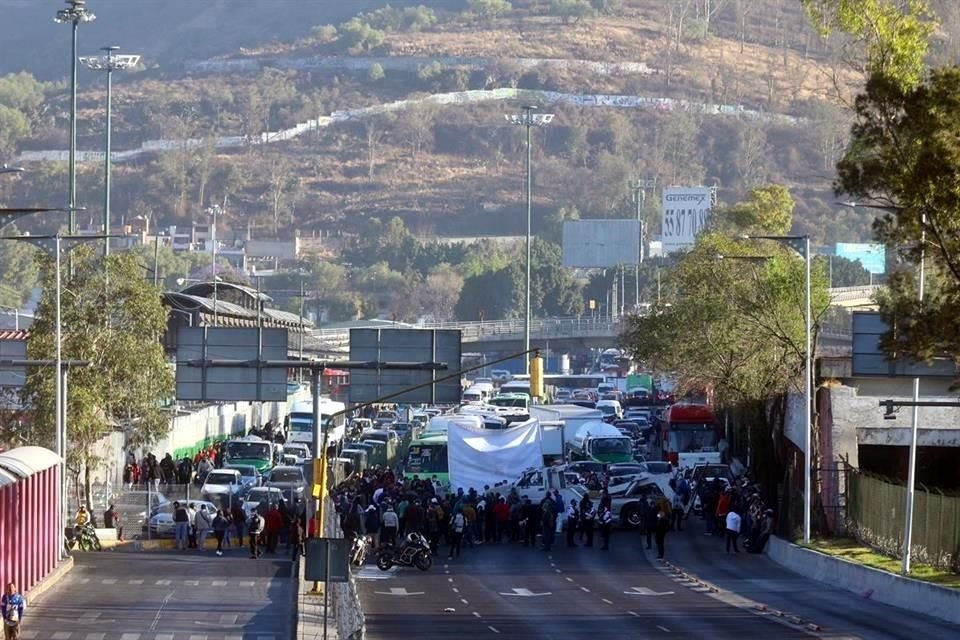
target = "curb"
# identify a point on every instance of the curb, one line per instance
(59, 573)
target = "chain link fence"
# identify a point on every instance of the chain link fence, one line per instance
(146, 510)
(876, 510)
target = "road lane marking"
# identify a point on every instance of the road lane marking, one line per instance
(169, 636)
(644, 591)
(191, 583)
(196, 637)
(126, 636)
(399, 591)
(134, 581)
(476, 614)
(607, 601)
(229, 619)
(95, 636)
(156, 619)
(248, 583)
(663, 628)
(464, 601)
(568, 579)
(109, 581)
(584, 589)
(493, 628)
(525, 593)
(449, 579)
(219, 583)
(455, 590)
(634, 614)
(558, 570)
(162, 583)
(84, 580)
(64, 635)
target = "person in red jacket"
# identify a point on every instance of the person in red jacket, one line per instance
(501, 512)
(272, 527)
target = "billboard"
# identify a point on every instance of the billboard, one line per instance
(686, 212)
(870, 360)
(405, 345)
(228, 384)
(873, 257)
(600, 243)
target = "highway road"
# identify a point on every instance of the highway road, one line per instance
(512, 592)
(166, 595)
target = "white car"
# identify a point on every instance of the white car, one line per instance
(223, 482)
(299, 450)
(500, 376)
(161, 524)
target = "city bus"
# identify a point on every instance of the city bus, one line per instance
(427, 458)
(332, 416)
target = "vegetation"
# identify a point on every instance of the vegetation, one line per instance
(851, 550)
(113, 319)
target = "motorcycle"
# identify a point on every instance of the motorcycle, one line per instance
(359, 549)
(415, 552)
(85, 536)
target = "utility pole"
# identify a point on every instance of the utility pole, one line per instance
(640, 199)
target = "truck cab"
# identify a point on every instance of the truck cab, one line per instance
(537, 483)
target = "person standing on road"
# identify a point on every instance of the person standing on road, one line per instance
(662, 527)
(573, 515)
(676, 510)
(111, 520)
(390, 524)
(724, 502)
(12, 607)
(458, 523)
(203, 523)
(766, 530)
(548, 523)
(273, 523)
(587, 515)
(371, 523)
(237, 518)
(220, 526)
(254, 528)
(605, 518)
(181, 525)
(529, 514)
(648, 519)
(192, 529)
(733, 529)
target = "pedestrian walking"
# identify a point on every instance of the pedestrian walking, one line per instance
(181, 525)
(203, 523)
(254, 528)
(676, 510)
(12, 607)
(662, 527)
(220, 526)
(733, 530)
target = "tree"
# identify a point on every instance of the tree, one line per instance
(19, 268)
(279, 181)
(767, 210)
(439, 292)
(892, 37)
(487, 295)
(904, 156)
(376, 73)
(376, 129)
(489, 9)
(843, 272)
(572, 10)
(116, 325)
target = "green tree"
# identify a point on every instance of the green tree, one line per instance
(116, 325)
(767, 210)
(572, 10)
(893, 34)
(904, 156)
(376, 73)
(19, 268)
(843, 272)
(487, 295)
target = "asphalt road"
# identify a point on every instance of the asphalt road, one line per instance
(839, 612)
(512, 592)
(166, 595)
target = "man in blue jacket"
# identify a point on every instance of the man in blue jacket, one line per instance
(12, 607)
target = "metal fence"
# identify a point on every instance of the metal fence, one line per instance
(146, 510)
(876, 517)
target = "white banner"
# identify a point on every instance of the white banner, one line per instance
(686, 212)
(479, 457)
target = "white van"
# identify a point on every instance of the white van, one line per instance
(485, 388)
(610, 408)
(473, 395)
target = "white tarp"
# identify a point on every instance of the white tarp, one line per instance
(479, 457)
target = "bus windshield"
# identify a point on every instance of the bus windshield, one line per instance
(605, 446)
(692, 438)
(427, 458)
(249, 450)
(301, 422)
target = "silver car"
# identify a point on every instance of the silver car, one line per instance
(289, 480)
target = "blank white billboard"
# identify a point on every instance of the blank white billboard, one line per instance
(600, 244)
(686, 212)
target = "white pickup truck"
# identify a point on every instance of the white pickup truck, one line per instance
(537, 483)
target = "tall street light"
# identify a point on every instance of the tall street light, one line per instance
(915, 416)
(528, 119)
(75, 13)
(801, 244)
(109, 63)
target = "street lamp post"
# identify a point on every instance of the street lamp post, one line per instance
(75, 13)
(915, 415)
(528, 119)
(109, 63)
(804, 250)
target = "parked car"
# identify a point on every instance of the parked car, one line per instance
(137, 507)
(500, 376)
(250, 476)
(161, 524)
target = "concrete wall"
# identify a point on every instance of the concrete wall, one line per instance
(906, 593)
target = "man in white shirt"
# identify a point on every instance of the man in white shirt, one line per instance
(733, 530)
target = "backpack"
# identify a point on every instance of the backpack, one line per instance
(12, 618)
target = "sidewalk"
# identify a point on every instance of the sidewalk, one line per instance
(311, 613)
(763, 583)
